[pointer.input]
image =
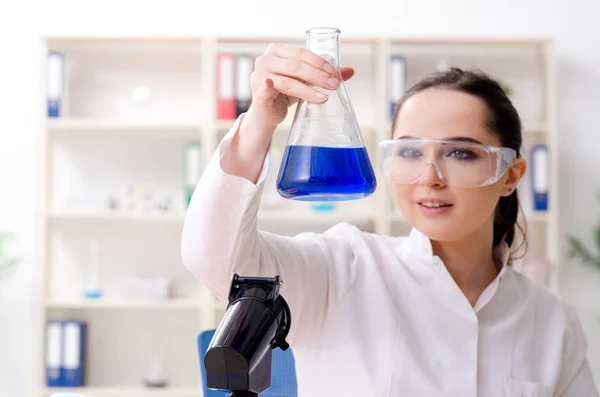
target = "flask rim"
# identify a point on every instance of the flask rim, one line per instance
(322, 30)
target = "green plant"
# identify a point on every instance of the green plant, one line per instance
(6, 263)
(580, 251)
(507, 88)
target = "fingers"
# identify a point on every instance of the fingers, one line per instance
(301, 54)
(294, 88)
(300, 70)
(295, 72)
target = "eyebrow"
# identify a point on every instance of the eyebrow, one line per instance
(455, 138)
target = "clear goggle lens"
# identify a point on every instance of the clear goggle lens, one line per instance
(455, 163)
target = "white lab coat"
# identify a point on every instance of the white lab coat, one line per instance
(381, 316)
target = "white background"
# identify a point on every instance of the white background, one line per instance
(572, 23)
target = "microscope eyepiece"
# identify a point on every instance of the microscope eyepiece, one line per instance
(257, 320)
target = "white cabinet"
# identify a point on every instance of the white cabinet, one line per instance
(111, 174)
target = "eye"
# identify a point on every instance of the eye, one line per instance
(462, 154)
(408, 153)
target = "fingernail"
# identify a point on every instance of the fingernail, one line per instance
(333, 83)
(328, 68)
(320, 95)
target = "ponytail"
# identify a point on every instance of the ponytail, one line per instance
(507, 213)
(506, 220)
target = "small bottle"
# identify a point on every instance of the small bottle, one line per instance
(91, 283)
(325, 158)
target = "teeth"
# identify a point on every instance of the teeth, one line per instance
(433, 205)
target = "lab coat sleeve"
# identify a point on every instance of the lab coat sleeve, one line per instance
(220, 238)
(576, 379)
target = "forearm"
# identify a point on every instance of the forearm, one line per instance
(245, 155)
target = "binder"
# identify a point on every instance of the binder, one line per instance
(539, 177)
(55, 83)
(74, 347)
(243, 89)
(226, 103)
(397, 81)
(54, 343)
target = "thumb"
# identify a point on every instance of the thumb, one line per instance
(267, 90)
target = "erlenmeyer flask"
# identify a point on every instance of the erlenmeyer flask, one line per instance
(325, 158)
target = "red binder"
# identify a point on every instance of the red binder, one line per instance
(226, 104)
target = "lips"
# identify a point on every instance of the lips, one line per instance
(434, 203)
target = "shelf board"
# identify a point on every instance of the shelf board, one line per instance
(535, 128)
(225, 125)
(114, 216)
(537, 217)
(126, 391)
(528, 127)
(172, 304)
(471, 41)
(303, 216)
(124, 128)
(290, 215)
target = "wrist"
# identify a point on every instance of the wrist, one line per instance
(254, 133)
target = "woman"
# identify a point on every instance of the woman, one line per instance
(439, 312)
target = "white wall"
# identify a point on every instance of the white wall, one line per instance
(572, 23)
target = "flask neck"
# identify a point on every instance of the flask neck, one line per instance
(324, 42)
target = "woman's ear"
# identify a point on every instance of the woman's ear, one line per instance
(513, 176)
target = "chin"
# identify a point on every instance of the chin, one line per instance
(440, 227)
(437, 232)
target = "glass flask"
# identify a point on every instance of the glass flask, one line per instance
(325, 158)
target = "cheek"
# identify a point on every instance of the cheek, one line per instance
(402, 196)
(476, 203)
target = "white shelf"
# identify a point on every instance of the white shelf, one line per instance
(114, 216)
(127, 392)
(534, 128)
(125, 128)
(290, 215)
(535, 217)
(173, 304)
(530, 128)
(307, 217)
(225, 125)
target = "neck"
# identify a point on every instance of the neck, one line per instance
(470, 262)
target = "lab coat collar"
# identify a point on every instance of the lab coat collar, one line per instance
(418, 249)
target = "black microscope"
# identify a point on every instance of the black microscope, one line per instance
(257, 320)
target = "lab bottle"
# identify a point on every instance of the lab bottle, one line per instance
(325, 158)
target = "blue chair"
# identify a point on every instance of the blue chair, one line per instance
(283, 371)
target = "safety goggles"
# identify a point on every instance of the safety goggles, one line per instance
(455, 163)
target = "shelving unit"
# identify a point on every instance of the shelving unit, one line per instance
(129, 392)
(132, 105)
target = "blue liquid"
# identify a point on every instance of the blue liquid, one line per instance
(313, 173)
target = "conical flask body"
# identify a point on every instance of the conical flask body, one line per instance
(325, 158)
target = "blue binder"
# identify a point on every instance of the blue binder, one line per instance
(55, 83)
(74, 347)
(540, 176)
(54, 347)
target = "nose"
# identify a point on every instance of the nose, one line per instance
(430, 176)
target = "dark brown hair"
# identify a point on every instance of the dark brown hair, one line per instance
(502, 120)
